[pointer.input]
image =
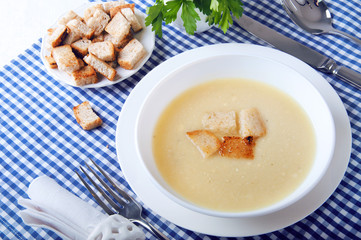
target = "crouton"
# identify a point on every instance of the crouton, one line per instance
(100, 66)
(118, 27)
(113, 64)
(98, 38)
(237, 147)
(109, 5)
(51, 62)
(65, 58)
(80, 47)
(57, 35)
(81, 63)
(132, 18)
(119, 42)
(67, 17)
(72, 36)
(117, 9)
(221, 122)
(102, 50)
(131, 54)
(205, 141)
(85, 75)
(251, 123)
(86, 117)
(80, 28)
(90, 11)
(98, 21)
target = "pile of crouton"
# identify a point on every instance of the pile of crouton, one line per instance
(98, 42)
(239, 134)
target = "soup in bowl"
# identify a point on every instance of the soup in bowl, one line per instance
(196, 135)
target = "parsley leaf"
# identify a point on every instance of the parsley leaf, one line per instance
(189, 17)
(223, 17)
(218, 12)
(155, 17)
(214, 5)
(204, 6)
(172, 8)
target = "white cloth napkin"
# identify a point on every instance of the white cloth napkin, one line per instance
(53, 207)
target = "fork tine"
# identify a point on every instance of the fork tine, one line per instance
(120, 191)
(107, 198)
(96, 197)
(106, 186)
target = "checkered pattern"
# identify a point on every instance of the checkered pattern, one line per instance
(39, 134)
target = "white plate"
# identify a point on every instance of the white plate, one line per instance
(145, 36)
(229, 227)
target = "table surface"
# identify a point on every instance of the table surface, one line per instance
(39, 134)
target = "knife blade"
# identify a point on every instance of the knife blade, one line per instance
(298, 50)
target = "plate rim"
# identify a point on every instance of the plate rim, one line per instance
(308, 205)
(103, 81)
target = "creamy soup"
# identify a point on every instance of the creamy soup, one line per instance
(282, 158)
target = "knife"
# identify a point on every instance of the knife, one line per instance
(302, 52)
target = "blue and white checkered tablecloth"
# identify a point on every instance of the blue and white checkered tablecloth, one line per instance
(39, 134)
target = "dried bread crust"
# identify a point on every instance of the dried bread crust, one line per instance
(237, 147)
(206, 142)
(65, 58)
(251, 123)
(131, 54)
(86, 117)
(100, 66)
(85, 75)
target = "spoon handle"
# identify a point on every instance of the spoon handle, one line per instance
(338, 32)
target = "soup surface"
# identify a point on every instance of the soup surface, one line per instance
(283, 157)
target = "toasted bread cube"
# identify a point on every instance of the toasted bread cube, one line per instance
(132, 18)
(98, 21)
(81, 63)
(222, 122)
(131, 54)
(51, 62)
(117, 9)
(119, 42)
(103, 50)
(80, 28)
(113, 64)
(65, 58)
(90, 11)
(86, 117)
(237, 147)
(109, 5)
(100, 66)
(99, 38)
(57, 36)
(85, 75)
(67, 17)
(251, 124)
(72, 36)
(77, 30)
(118, 27)
(205, 141)
(80, 47)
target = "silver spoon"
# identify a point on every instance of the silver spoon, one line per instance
(314, 17)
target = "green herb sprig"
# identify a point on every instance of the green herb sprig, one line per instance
(218, 12)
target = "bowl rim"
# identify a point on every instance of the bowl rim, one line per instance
(226, 214)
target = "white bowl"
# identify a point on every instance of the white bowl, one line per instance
(237, 66)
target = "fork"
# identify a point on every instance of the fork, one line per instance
(125, 206)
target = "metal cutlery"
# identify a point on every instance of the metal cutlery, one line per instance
(300, 51)
(314, 17)
(125, 205)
